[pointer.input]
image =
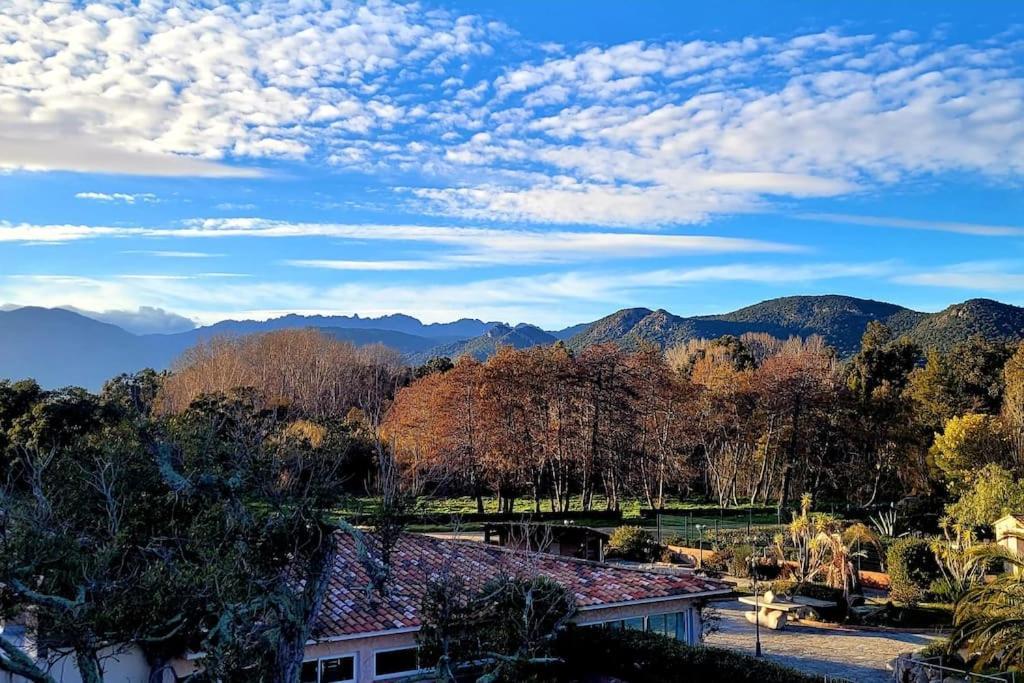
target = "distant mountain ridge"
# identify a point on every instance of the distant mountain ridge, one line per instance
(59, 347)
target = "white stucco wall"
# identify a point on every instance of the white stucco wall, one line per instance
(121, 666)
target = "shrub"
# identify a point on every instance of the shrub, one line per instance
(943, 590)
(912, 568)
(818, 591)
(653, 658)
(633, 543)
(739, 563)
(718, 561)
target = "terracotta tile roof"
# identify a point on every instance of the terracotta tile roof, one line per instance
(352, 607)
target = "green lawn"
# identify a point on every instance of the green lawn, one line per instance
(466, 505)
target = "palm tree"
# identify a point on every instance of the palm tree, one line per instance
(989, 618)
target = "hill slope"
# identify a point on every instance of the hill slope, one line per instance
(59, 347)
(985, 317)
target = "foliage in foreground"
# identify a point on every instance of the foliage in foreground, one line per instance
(510, 623)
(639, 657)
(989, 619)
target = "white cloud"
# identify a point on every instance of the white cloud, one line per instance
(983, 276)
(126, 198)
(980, 229)
(633, 134)
(466, 245)
(143, 320)
(341, 264)
(662, 133)
(165, 253)
(762, 273)
(176, 88)
(546, 299)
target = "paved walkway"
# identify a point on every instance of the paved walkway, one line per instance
(858, 656)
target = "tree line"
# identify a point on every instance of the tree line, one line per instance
(735, 420)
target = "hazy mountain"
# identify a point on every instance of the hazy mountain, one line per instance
(59, 347)
(521, 336)
(459, 329)
(568, 332)
(407, 344)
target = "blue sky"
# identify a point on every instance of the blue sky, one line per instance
(172, 163)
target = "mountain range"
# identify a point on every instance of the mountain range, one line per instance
(59, 347)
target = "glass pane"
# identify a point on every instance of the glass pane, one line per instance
(308, 674)
(681, 626)
(670, 625)
(636, 623)
(396, 661)
(656, 623)
(335, 670)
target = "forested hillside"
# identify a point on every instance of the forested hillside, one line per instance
(59, 347)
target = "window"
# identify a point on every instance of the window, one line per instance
(674, 625)
(329, 670)
(337, 670)
(395, 662)
(634, 624)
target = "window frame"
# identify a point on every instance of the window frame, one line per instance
(354, 656)
(397, 674)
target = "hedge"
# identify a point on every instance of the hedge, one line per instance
(639, 657)
(912, 568)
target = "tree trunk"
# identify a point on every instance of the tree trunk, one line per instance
(88, 665)
(291, 648)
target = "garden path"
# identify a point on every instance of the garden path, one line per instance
(859, 656)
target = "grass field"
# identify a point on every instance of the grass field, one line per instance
(678, 520)
(465, 505)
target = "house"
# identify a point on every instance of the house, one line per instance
(1010, 534)
(361, 637)
(567, 540)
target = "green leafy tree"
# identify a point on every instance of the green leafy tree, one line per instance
(912, 568)
(81, 546)
(969, 378)
(968, 443)
(254, 495)
(879, 419)
(511, 623)
(993, 493)
(1013, 401)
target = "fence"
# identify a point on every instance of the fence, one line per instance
(752, 526)
(609, 517)
(909, 670)
(693, 528)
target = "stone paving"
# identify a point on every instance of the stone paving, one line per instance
(859, 656)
